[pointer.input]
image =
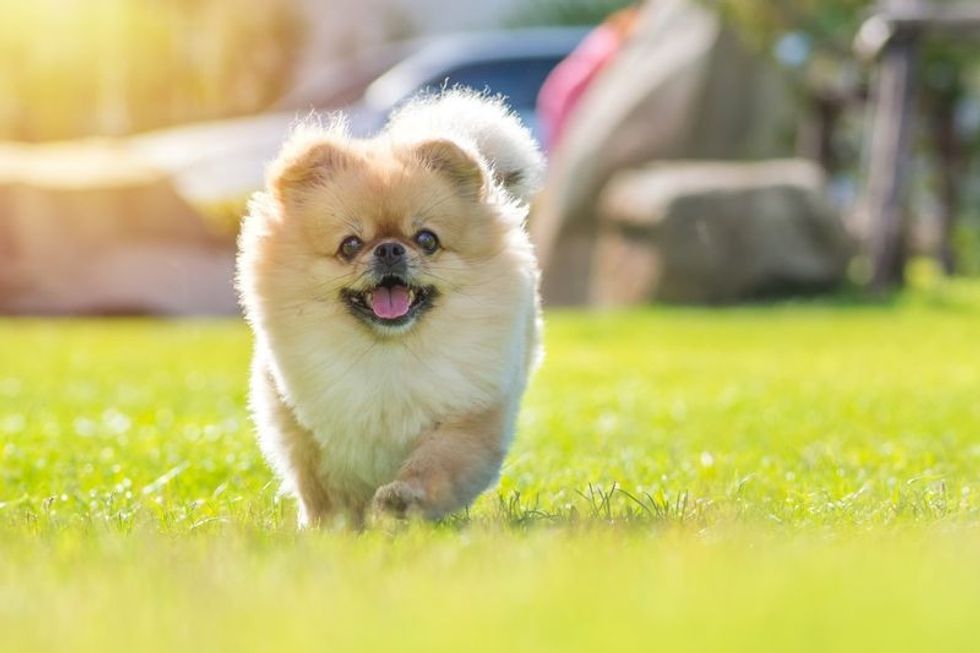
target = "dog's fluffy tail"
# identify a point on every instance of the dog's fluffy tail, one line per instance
(482, 124)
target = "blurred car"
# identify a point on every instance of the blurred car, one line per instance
(215, 162)
(512, 64)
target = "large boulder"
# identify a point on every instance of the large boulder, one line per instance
(90, 227)
(683, 88)
(709, 232)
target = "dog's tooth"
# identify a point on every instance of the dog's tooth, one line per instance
(411, 295)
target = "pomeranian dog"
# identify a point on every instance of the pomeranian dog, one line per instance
(393, 294)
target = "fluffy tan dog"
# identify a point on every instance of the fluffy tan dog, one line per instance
(392, 291)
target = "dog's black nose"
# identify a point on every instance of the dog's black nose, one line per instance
(389, 252)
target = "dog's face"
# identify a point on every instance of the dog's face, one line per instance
(384, 234)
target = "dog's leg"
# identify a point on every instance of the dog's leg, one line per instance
(292, 449)
(315, 505)
(448, 468)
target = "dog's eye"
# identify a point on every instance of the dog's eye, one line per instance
(350, 247)
(427, 241)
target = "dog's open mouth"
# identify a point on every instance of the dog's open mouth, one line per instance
(393, 302)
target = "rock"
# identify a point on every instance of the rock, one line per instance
(716, 232)
(89, 227)
(214, 162)
(683, 88)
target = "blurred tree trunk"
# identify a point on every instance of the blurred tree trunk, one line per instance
(890, 157)
(949, 155)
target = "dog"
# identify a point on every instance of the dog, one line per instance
(393, 295)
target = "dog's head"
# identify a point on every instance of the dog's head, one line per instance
(382, 232)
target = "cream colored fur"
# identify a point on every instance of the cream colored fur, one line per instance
(414, 419)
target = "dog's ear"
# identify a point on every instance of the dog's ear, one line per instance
(301, 165)
(450, 160)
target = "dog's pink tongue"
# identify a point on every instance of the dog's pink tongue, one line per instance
(390, 303)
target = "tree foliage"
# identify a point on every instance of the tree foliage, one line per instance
(73, 68)
(564, 12)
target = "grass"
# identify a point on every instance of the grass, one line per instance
(787, 477)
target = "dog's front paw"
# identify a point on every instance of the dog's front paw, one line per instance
(399, 499)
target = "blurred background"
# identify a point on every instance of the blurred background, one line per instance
(700, 151)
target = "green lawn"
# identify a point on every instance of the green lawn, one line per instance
(790, 477)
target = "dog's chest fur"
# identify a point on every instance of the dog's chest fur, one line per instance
(367, 401)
